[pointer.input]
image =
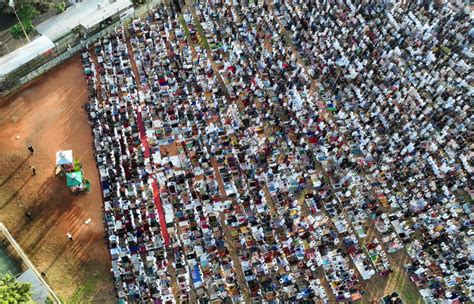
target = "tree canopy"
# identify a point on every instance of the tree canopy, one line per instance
(26, 13)
(12, 291)
(17, 31)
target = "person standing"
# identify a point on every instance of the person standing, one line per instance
(33, 170)
(28, 216)
(69, 237)
(31, 149)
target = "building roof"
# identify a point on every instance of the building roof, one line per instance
(38, 290)
(24, 54)
(87, 13)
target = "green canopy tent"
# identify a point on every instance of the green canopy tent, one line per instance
(74, 179)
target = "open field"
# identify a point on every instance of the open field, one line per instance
(48, 114)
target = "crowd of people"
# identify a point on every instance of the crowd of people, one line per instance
(244, 151)
(137, 249)
(399, 76)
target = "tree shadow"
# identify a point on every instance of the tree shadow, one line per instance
(15, 194)
(46, 228)
(47, 210)
(57, 257)
(9, 177)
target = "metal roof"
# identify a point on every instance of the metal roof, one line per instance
(24, 54)
(87, 13)
(38, 290)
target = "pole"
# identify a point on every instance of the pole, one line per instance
(12, 4)
(4, 44)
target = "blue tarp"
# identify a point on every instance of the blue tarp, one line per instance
(197, 274)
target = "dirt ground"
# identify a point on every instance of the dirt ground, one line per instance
(48, 114)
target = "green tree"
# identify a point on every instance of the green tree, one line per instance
(61, 6)
(12, 292)
(27, 12)
(17, 31)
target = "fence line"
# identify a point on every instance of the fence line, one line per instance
(21, 81)
(27, 261)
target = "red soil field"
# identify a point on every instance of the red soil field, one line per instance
(49, 115)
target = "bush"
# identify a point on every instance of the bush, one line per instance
(17, 31)
(138, 2)
(12, 291)
(27, 12)
(42, 7)
(77, 165)
(61, 6)
(49, 301)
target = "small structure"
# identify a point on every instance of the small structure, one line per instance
(76, 182)
(72, 169)
(64, 158)
(74, 179)
(65, 162)
(85, 17)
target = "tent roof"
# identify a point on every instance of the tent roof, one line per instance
(24, 54)
(64, 157)
(73, 179)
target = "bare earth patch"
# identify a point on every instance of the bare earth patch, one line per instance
(49, 115)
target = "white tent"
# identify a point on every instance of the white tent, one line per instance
(64, 157)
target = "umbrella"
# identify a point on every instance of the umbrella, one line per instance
(74, 179)
(64, 157)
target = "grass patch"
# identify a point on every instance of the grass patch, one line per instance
(85, 293)
(406, 288)
(409, 295)
(202, 34)
(199, 28)
(187, 33)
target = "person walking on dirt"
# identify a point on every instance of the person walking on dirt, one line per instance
(31, 149)
(28, 216)
(33, 170)
(69, 237)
